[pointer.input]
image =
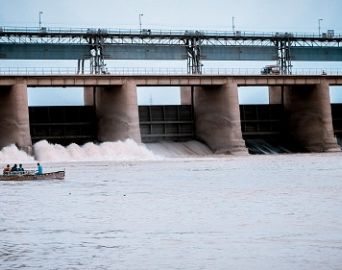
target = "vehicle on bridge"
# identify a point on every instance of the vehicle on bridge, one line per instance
(271, 69)
(146, 32)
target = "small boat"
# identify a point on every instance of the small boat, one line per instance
(26, 176)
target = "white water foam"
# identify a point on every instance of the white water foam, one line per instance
(11, 154)
(180, 149)
(127, 150)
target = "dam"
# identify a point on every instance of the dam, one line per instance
(299, 111)
(299, 114)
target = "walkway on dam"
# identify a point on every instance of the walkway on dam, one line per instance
(166, 80)
(131, 70)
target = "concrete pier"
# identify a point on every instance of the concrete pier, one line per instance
(117, 112)
(217, 118)
(275, 94)
(308, 113)
(88, 95)
(185, 95)
(14, 117)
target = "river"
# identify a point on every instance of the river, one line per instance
(144, 210)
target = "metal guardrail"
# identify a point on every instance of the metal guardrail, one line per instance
(158, 71)
(160, 32)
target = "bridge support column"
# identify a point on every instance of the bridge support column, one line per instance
(276, 94)
(88, 95)
(308, 111)
(14, 117)
(185, 95)
(117, 113)
(217, 118)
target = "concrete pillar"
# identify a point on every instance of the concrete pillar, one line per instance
(308, 112)
(185, 94)
(275, 94)
(14, 117)
(88, 95)
(117, 113)
(217, 118)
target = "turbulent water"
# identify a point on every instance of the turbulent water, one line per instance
(108, 151)
(127, 206)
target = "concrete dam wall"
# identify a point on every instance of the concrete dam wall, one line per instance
(305, 118)
(78, 124)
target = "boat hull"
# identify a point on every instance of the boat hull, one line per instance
(59, 175)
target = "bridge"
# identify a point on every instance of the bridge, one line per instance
(98, 45)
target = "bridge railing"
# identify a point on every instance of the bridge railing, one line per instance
(159, 32)
(157, 71)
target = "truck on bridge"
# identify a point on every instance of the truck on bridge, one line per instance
(271, 69)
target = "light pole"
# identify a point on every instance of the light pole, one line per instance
(319, 27)
(140, 15)
(233, 24)
(40, 19)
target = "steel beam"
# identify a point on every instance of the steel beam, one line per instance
(144, 52)
(44, 51)
(316, 53)
(164, 52)
(257, 53)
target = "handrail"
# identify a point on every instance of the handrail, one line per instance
(162, 32)
(158, 71)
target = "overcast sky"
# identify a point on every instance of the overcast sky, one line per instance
(250, 15)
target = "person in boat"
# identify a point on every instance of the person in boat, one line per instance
(14, 168)
(7, 169)
(39, 169)
(21, 169)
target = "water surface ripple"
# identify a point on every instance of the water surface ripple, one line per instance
(250, 212)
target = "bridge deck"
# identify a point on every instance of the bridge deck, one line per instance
(147, 44)
(166, 80)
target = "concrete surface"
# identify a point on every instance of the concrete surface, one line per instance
(217, 118)
(308, 113)
(117, 113)
(14, 117)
